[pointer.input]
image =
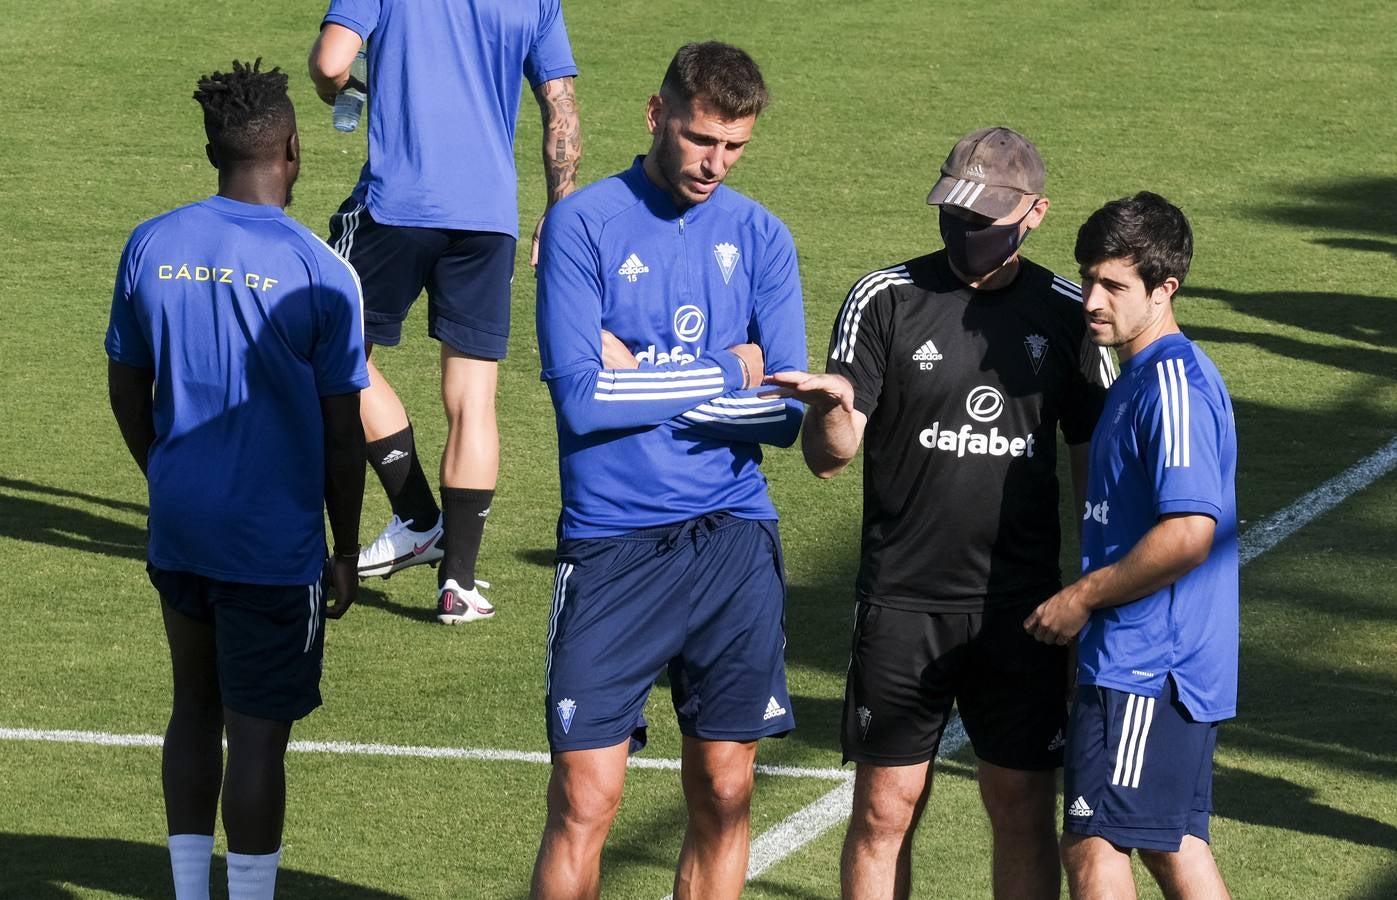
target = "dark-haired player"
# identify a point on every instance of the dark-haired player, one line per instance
(236, 360)
(435, 207)
(954, 370)
(1155, 611)
(662, 297)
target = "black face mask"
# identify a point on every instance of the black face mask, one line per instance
(977, 250)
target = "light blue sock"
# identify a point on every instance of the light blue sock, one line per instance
(252, 877)
(189, 863)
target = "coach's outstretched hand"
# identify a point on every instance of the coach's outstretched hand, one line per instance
(824, 392)
(344, 585)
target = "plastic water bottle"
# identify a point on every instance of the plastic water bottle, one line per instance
(349, 103)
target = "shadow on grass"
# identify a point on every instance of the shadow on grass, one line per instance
(1360, 318)
(1277, 803)
(378, 600)
(38, 521)
(537, 556)
(45, 867)
(1367, 205)
(638, 843)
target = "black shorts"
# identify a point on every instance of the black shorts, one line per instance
(270, 639)
(907, 668)
(467, 275)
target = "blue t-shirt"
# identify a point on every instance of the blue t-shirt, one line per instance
(676, 438)
(248, 319)
(444, 89)
(1165, 443)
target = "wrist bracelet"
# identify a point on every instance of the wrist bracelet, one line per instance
(352, 554)
(746, 374)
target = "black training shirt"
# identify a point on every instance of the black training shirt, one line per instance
(963, 390)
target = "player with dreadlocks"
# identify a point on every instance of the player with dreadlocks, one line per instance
(236, 360)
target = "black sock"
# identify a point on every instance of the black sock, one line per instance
(394, 460)
(465, 510)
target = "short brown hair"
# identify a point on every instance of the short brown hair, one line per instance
(719, 74)
(1146, 231)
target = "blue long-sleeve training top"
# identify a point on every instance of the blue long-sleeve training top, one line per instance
(677, 437)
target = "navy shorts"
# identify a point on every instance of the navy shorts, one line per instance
(907, 668)
(1139, 769)
(269, 639)
(467, 275)
(705, 598)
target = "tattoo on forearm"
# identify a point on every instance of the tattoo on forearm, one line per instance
(562, 132)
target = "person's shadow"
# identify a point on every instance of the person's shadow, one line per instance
(51, 867)
(26, 515)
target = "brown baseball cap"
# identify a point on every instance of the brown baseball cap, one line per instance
(989, 172)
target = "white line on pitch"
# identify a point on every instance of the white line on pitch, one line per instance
(1279, 526)
(106, 739)
(804, 825)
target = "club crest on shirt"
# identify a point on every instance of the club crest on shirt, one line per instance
(1037, 347)
(727, 255)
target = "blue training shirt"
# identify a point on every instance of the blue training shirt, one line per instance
(248, 319)
(676, 438)
(444, 89)
(1165, 443)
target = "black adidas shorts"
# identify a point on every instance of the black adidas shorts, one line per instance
(270, 639)
(908, 668)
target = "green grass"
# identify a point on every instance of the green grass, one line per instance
(1266, 121)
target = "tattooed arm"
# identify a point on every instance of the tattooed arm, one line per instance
(562, 144)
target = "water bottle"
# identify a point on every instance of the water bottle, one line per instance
(349, 103)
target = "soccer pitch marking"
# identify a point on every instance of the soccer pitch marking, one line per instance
(808, 823)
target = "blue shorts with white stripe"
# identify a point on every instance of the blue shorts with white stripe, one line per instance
(1139, 769)
(703, 600)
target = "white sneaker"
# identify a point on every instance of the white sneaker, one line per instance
(456, 605)
(399, 547)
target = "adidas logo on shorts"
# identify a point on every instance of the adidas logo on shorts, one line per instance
(773, 710)
(1080, 809)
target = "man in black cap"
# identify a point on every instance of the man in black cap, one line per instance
(954, 370)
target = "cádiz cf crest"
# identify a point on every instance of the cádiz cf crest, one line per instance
(1037, 346)
(727, 255)
(566, 708)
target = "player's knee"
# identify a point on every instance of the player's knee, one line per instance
(886, 815)
(725, 795)
(1018, 813)
(1019, 801)
(586, 806)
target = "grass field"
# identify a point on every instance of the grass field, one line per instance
(1268, 122)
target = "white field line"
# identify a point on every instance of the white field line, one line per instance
(1279, 526)
(804, 825)
(102, 738)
